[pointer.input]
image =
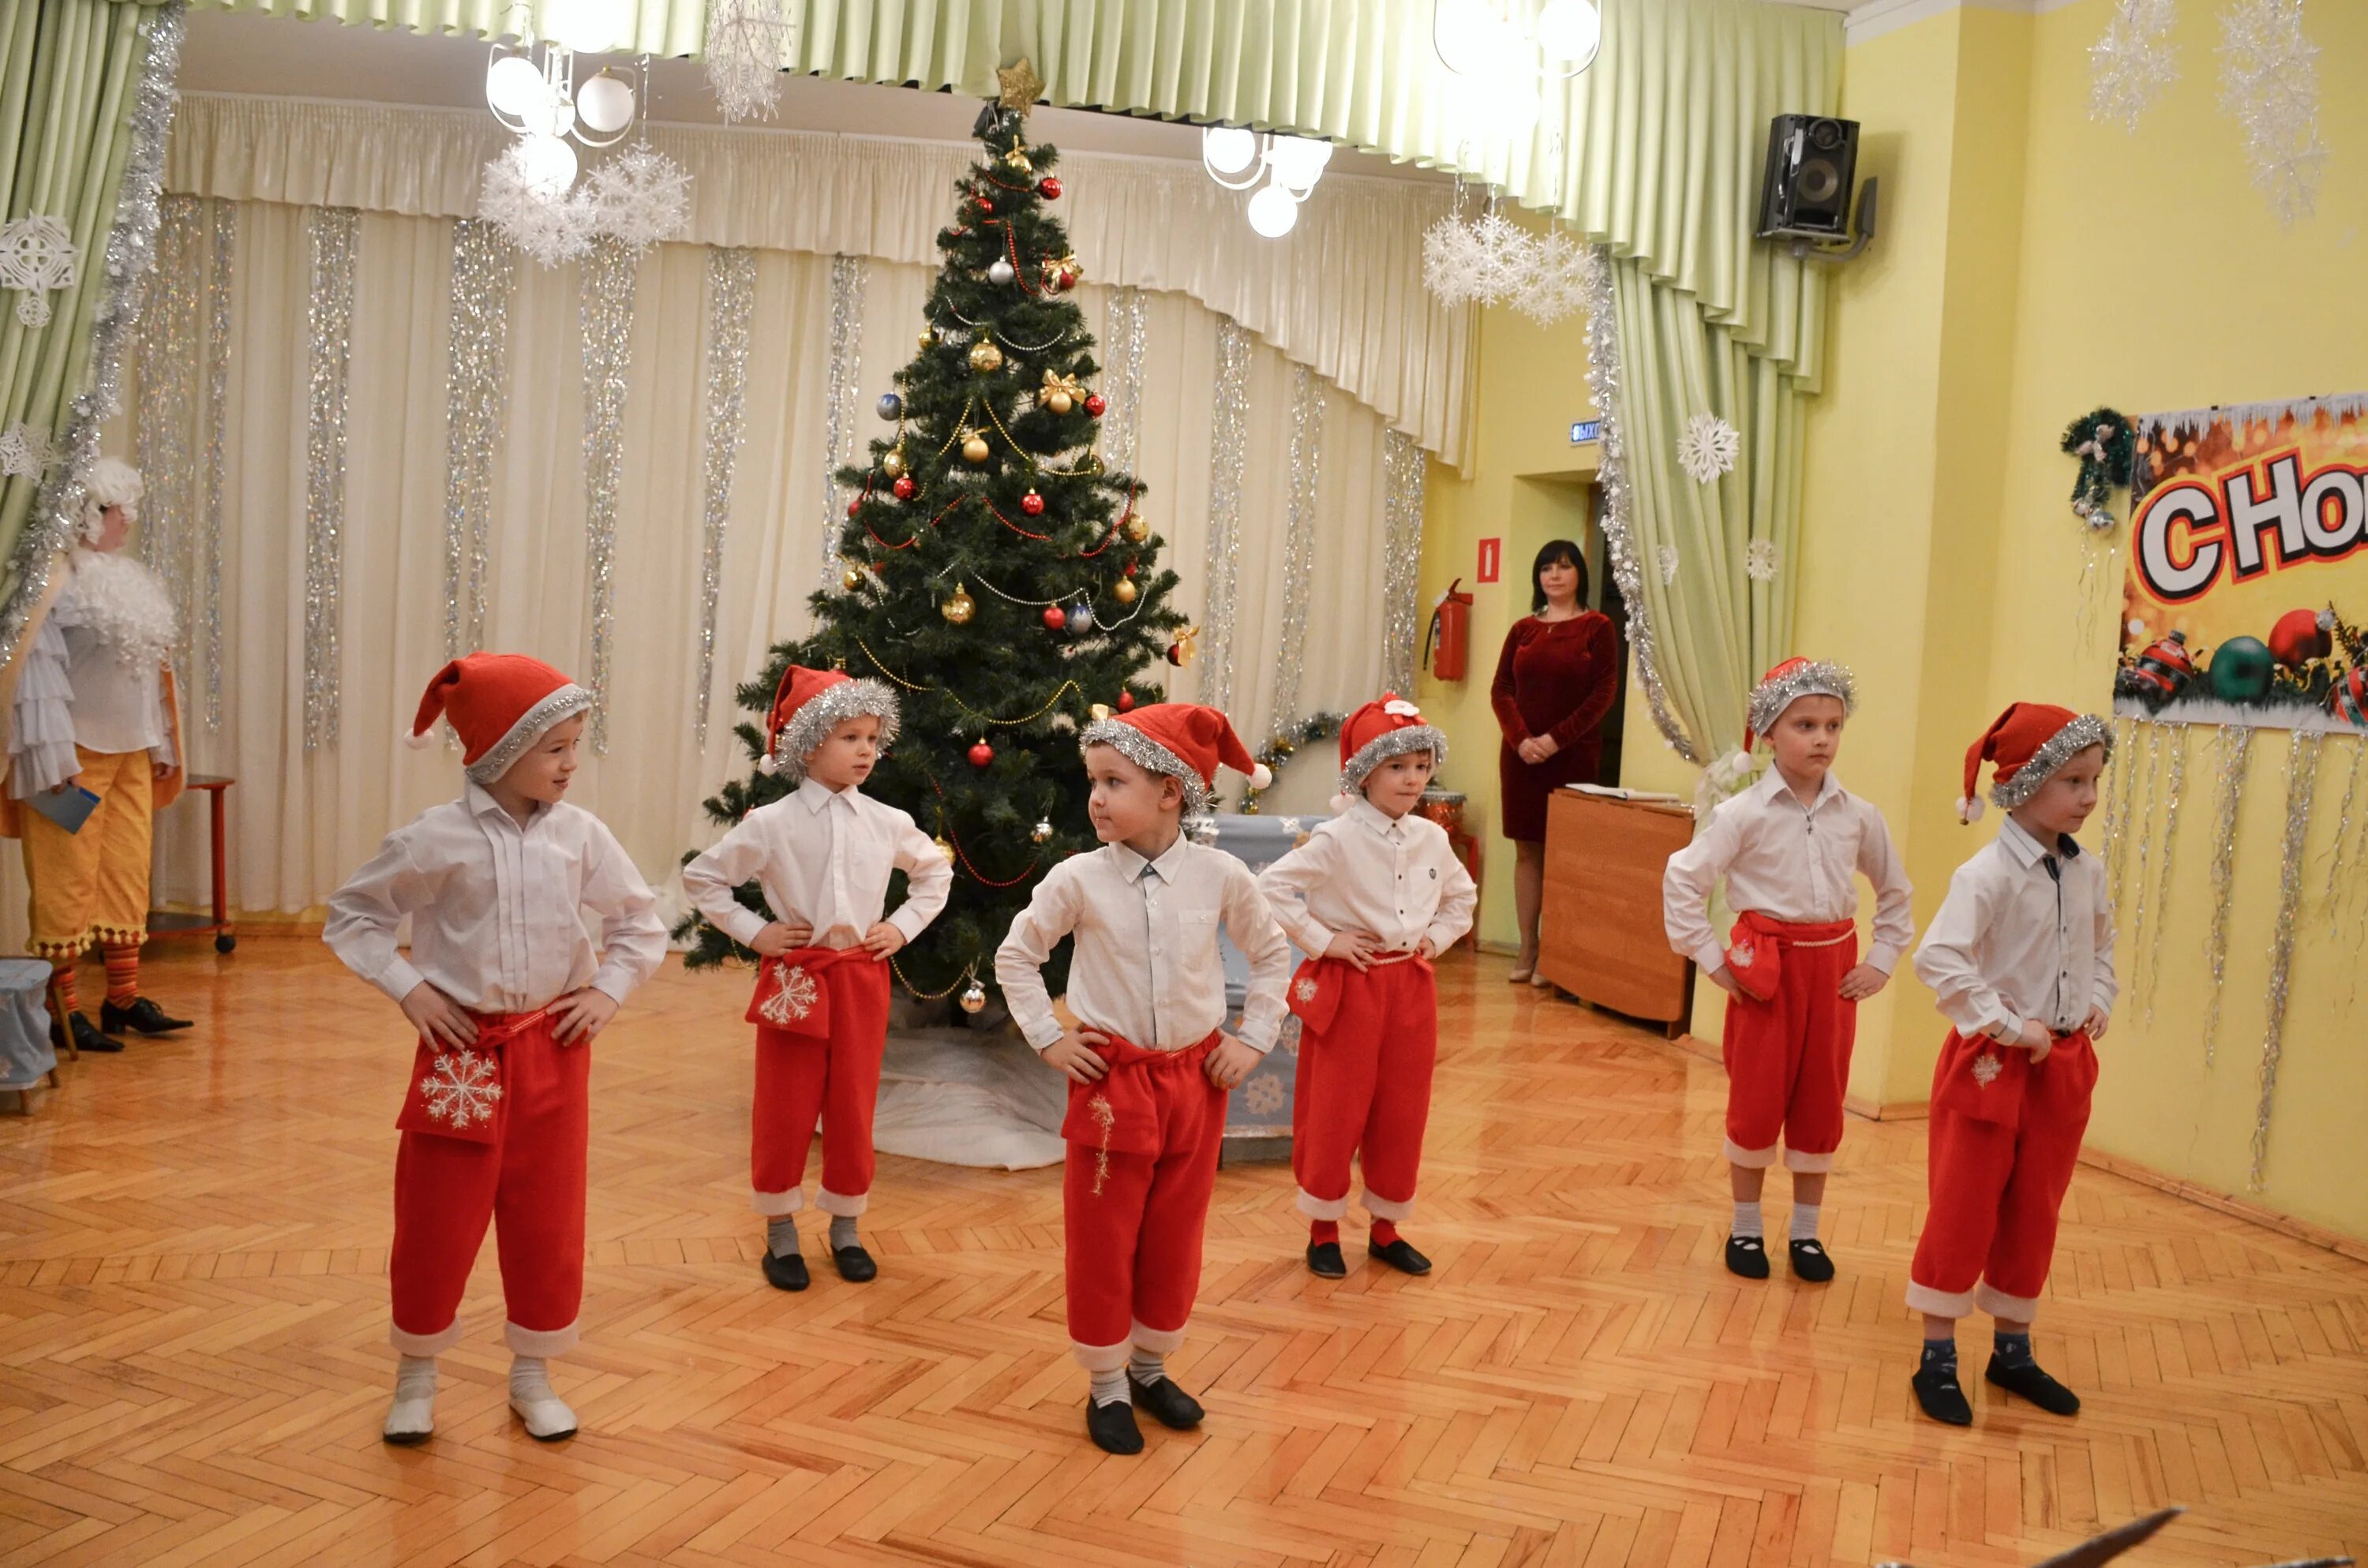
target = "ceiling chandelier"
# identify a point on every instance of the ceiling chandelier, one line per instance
(1239, 159)
(1500, 55)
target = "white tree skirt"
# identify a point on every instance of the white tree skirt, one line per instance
(969, 1097)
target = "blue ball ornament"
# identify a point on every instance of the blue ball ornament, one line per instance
(891, 406)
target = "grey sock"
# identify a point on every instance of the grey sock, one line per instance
(1147, 1366)
(782, 1236)
(842, 1233)
(1747, 1220)
(1804, 1222)
(1109, 1388)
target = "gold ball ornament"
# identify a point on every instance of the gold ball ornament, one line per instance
(928, 338)
(1123, 591)
(892, 465)
(985, 358)
(1138, 529)
(975, 447)
(851, 579)
(1041, 831)
(1018, 161)
(961, 608)
(945, 848)
(973, 997)
(1060, 402)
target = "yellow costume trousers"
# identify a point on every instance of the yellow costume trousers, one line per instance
(93, 885)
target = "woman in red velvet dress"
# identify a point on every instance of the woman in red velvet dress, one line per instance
(1556, 679)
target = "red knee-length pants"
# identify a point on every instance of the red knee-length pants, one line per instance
(1788, 1058)
(526, 1179)
(1363, 1091)
(834, 1077)
(2005, 1137)
(1134, 1198)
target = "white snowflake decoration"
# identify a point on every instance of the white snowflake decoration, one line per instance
(640, 196)
(1666, 558)
(37, 255)
(747, 43)
(1306, 990)
(1555, 285)
(1265, 1095)
(25, 451)
(1759, 560)
(1986, 1069)
(462, 1089)
(2268, 80)
(1448, 262)
(2134, 63)
(551, 229)
(1708, 447)
(793, 1000)
(1500, 254)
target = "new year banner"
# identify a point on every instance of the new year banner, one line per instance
(2246, 598)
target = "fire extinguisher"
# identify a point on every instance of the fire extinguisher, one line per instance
(1445, 646)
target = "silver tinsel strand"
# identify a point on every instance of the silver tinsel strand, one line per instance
(336, 234)
(2174, 791)
(2336, 851)
(731, 303)
(606, 308)
(848, 276)
(2153, 771)
(55, 521)
(1404, 470)
(169, 371)
(477, 381)
(2118, 796)
(1603, 381)
(1123, 333)
(2302, 783)
(222, 237)
(1228, 447)
(2235, 751)
(1299, 539)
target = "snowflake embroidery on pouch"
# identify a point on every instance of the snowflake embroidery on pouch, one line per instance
(1986, 1067)
(462, 1089)
(1741, 955)
(1307, 989)
(793, 1000)
(1265, 1095)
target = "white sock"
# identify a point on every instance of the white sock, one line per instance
(782, 1236)
(1109, 1388)
(412, 1411)
(1147, 1366)
(1805, 1221)
(544, 1412)
(531, 1378)
(842, 1233)
(1747, 1220)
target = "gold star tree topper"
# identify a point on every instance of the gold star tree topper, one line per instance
(1021, 86)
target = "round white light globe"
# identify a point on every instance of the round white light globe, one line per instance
(548, 165)
(605, 104)
(590, 27)
(514, 86)
(1299, 162)
(1272, 212)
(1471, 38)
(1569, 30)
(1228, 149)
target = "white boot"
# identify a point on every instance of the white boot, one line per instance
(547, 1417)
(411, 1417)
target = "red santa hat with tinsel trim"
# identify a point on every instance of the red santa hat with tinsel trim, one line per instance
(1184, 740)
(1386, 727)
(499, 704)
(1781, 687)
(809, 704)
(2029, 743)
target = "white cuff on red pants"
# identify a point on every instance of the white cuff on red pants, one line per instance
(540, 1341)
(1103, 1358)
(1750, 1159)
(1807, 1164)
(1388, 1209)
(1159, 1341)
(1998, 1305)
(424, 1344)
(1939, 1303)
(1316, 1208)
(842, 1204)
(773, 1205)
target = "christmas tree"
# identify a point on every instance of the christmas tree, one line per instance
(997, 575)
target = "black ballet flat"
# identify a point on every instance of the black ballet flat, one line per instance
(1400, 1255)
(2033, 1385)
(1746, 1256)
(854, 1265)
(1113, 1428)
(786, 1273)
(1324, 1261)
(1941, 1399)
(1169, 1405)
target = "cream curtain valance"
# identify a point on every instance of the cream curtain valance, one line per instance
(1343, 294)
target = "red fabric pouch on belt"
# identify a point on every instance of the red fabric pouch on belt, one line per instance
(456, 1091)
(790, 993)
(1755, 948)
(1982, 1080)
(1120, 1115)
(1315, 990)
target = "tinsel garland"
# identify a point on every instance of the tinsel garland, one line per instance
(2122, 790)
(849, 274)
(2175, 792)
(169, 371)
(1284, 745)
(1298, 537)
(2302, 783)
(606, 311)
(336, 235)
(1125, 331)
(731, 303)
(2150, 774)
(1603, 381)
(1228, 444)
(2342, 851)
(484, 269)
(223, 236)
(2235, 751)
(51, 528)
(1403, 473)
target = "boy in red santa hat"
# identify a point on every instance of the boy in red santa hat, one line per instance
(2021, 957)
(1789, 848)
(822, 856)
(1371, 897)
(505, 992)
(1148, 1065)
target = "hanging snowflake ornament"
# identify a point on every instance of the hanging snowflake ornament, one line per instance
(1759, 560)
(1708, 447)
(551, 229)
(1501, 251)
(747, 44)
(1553, 283)
(640, 196)
(1666, 558)
(38, 256)
(462, 1088)
(2134, 63)
(1449, 264)
(2268, 80)
(25, 451)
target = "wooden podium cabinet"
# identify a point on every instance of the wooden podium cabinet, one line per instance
(1601, 938)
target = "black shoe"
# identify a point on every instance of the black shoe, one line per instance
(2033, 1385)
(1746, 1255)
(785, 1273)
(1324, 1261)
(144, 1017)
(1113, 1428)
(85, 1037)
(1943, 1400)
(1810, 1261)
(854, 1265)
(1400, 1255)
(1169, 1405)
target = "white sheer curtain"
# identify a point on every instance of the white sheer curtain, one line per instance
(300, 821)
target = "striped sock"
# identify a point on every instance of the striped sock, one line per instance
(122, 971)
(61, 987)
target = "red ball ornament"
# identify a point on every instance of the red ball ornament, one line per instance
(1094, 405)
(1033, 503)
(905, 488)
(986, 206)
(982, 754)
(2298, 638)
(855, 505)
(1068, 278)
(1055, 618)
(1130, 568)
(1126, 702)
(1049, 188)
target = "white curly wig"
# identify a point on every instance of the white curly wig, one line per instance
(112, 481)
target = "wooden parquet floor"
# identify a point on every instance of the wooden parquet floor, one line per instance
(193, 1362)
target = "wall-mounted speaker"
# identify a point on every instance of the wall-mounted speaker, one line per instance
(1812, 166)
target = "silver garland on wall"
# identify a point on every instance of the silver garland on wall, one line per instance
(2235, 751)
(1307, 402)
(55, 522)
(2175, 789)
(2145, 826)
(2302, 783)
(848, 276)
(1123, 333)
(606, 311)
(477, 381)
(1603, 381)
(336, 237)
(1228, 447)
(2343, 850)
(222, 250)
(731, 303)
(169, 371)
(1404, 470)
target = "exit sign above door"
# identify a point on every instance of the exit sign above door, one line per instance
(1585, 430)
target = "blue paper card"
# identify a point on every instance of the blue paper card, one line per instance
(69, 808)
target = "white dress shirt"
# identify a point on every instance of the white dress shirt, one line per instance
(2013, 942)
(822, 858)
(1146, 967)
(1789, 862)
(495, 909)
(1362, 871)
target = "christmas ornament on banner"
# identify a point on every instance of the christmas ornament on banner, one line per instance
(995, 570)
